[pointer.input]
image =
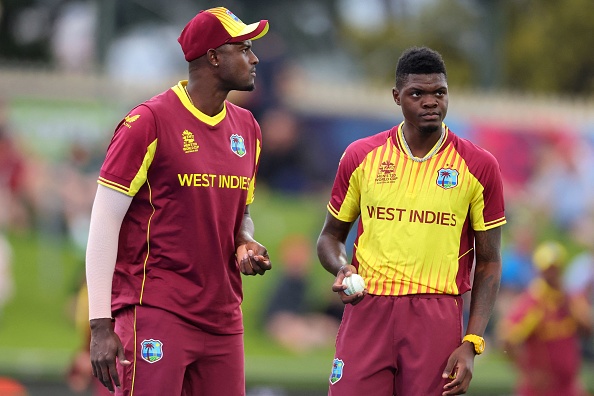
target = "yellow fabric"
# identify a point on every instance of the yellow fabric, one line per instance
(234, 26)
(81, 313)
(181, 93)
(252, 186)
(427, 258)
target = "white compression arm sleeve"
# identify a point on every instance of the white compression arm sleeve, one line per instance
(109, 209)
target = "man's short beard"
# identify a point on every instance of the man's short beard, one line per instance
(244, 88)
(429, 129)
(247, 88)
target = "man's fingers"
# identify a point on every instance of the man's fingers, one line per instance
(260, 264)
(353, 299)
(450, 369)
(458, 385)
(255, 265)
(252, 265)
(358, 297)
(113, 372)
(105, 378)
(245, 266)
(338, 286)
(241, 252)
(122, 356)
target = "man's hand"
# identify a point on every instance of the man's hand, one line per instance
(253, 259)
(339, 287)
(105, 346)
(459, 369)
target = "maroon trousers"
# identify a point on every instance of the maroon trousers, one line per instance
(172, 357)
(396, 345)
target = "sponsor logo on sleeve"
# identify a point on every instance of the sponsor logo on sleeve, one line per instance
(129, 119)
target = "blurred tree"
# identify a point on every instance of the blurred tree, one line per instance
(550, 46)
(308, 26)
(532, 45)
(448, 26)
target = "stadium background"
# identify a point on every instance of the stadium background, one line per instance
(521, 77)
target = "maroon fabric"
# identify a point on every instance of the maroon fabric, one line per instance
(205, 31)
(193, 362)
(399, 346)
(177, 241)
(551, 368)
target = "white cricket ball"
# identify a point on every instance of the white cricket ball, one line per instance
(355, 284)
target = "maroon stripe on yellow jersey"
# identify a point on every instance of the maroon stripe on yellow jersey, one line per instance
(416, 218)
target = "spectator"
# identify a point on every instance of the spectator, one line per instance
(517, 269)
(282, 164)
(12, 177)
(579, 276)
(289, 319)
(541, 332)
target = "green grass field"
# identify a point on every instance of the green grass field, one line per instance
(38, 338)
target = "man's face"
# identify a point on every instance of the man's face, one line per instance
(424, 101)
(237, 66)
(552, 276)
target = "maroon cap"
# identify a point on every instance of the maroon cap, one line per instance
(214, 27)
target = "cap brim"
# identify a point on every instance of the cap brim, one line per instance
(252, 31)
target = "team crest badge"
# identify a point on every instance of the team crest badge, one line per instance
(238, 145)
(337, 366)
(447, 178)
(232, 15)
(151, 350)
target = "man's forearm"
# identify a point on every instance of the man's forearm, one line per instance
(246, 230)
(332, 253)
(485, 288)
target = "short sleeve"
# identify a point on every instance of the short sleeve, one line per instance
(130, 152)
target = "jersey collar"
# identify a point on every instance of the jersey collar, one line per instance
(180, 91)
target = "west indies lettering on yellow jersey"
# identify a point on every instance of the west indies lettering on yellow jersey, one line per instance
(186, 171)
(417, 219)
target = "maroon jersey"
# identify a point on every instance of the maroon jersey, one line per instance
(191, 177)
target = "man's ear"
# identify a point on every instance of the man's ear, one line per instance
(396, 95)
(212, 57)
